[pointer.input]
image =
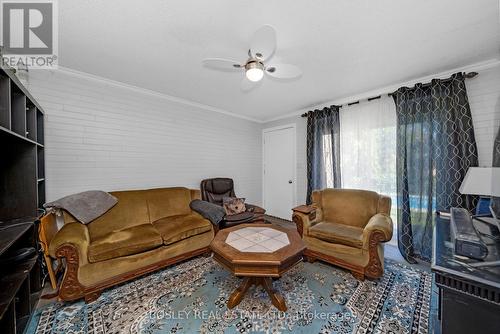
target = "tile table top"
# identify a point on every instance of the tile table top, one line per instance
(257, 239)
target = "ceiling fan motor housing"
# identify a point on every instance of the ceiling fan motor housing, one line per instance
(254, 63)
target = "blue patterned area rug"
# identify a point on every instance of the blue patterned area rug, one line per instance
(191, 298)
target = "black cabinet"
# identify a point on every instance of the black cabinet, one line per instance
(469, 298)
(20, 281)
(22, 193)
(22, 169)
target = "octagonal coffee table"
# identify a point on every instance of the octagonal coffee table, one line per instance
(258, 253)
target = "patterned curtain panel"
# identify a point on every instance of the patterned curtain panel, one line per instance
(436, 146)
(496, 163)
(496, 150)
(323, 150)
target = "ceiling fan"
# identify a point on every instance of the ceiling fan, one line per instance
(261, 50)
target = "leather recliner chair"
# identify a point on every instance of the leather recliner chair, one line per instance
(214, 190)
(347, 228)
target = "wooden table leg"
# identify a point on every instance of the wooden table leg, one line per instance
(240, 291)
(276, 298)
(266, 282)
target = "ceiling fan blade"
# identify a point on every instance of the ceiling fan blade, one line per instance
(283, 71)
(263, 43)
(247, 85)
(222, 64)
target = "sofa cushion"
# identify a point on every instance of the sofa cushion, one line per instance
(131, 210)
(129, 241)
(168, 202)
(349, 206)
(176, 228)
(338, 233)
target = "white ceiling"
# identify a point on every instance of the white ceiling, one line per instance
(344, 47)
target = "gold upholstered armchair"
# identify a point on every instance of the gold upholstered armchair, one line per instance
(347, 228)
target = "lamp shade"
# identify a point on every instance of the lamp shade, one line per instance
(483, 181)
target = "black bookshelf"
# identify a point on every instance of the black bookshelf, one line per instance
(22, 194)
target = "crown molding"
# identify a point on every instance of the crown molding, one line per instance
(477, 67)
(88, 76)
(480, 66)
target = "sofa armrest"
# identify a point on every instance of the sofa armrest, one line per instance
(195, 194)
(254, 209)
(381, 224)
(75, 235)
(305, 216)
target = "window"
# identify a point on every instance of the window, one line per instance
(368, 148)
(328, 159)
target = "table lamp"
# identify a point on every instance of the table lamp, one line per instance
(485, 182)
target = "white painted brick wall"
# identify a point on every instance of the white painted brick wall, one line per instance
(484, 100)
(104, 136)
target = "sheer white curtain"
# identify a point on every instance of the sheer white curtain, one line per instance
(368, 147)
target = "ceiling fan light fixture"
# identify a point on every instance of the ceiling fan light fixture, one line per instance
(254, 71)
(261, 50)
(254, 74)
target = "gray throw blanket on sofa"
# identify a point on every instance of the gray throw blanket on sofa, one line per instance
(85, 206)
(210, 211)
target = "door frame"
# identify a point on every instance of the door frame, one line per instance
(292, 126)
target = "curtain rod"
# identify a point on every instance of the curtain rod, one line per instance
(468, 75)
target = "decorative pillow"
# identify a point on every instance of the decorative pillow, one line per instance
(233, 205)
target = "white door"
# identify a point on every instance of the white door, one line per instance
(279, 171)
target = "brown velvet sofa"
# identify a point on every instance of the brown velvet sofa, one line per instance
(347, 228)
(146, 230)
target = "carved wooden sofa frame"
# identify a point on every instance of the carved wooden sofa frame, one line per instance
(304, 215)
(71, 289)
